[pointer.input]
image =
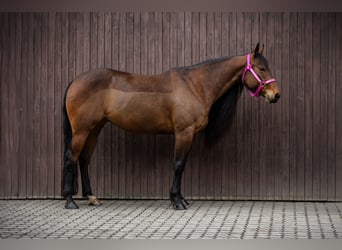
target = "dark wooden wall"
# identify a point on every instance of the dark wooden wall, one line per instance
(288, 151)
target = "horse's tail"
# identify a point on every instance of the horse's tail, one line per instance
(67, 132)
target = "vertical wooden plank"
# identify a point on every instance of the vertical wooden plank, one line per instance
(293, 104)
(269, 146)
(150, 160)
(78, 64)
(72, 47)
(331, 89)
(14, 94)
(12, 170)
(172, 64)
(180, 62)
(58, 93)
(249, 124)
(167, 140)
(308, 157)
(263, 123)
(136, 140)
(144, 70)
(71, 69)
(2, 156)
(338, 98)
(86, 41)
(316, 85)
(162, 158)
(202, 56)
(210, 154)
(130, 156)
(300, 109)
(37, 36)
(100, 164)
(65, 77)
(50, 106)
(23, 108)
(255, 110)
(84, 58)
(65, 27)
(240, 173)
(195, 152)
(180, 38)
(122, 134)
(5, 138)
(2, 105)
(276, 69)
(114, 130)
(45, 164)
(107, 130)
(225, 152)
(93, 47)
(324, 106)
(233, 150)
(80, 39)
(217, 157)
(188, 172)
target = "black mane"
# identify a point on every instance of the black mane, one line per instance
(221, 114)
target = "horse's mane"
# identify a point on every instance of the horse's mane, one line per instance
(203, 63)
(221, 114)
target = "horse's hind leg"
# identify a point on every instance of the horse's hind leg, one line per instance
(84, 160)
(182, 146)
(70, 169)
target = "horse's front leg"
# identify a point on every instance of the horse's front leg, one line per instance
(183, 140)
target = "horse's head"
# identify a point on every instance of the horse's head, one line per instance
(258, 78)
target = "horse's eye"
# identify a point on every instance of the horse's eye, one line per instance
(262, 69)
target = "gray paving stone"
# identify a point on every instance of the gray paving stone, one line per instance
(157, 220)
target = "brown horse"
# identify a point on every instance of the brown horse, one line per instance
(182, 101)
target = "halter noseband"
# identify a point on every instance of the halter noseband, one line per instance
(261, 83)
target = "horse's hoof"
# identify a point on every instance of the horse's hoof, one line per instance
(178, 206)
(70, 205)
(93, 201)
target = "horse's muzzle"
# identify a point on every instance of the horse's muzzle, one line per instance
(275, 98)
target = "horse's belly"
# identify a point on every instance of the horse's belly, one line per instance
(139, 112)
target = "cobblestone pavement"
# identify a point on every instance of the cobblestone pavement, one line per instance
(155, 219)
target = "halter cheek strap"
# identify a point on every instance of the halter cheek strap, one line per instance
(261, 83)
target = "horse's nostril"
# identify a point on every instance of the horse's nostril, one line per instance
(276, 97)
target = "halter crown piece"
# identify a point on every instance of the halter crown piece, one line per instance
(261, 83)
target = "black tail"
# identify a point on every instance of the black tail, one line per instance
(67, 153)
(66, 124)
(221, 114)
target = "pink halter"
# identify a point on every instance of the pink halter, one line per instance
(261, 83)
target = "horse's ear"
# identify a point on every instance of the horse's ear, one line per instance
(256, 50)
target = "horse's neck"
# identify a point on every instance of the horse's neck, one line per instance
(221, 76)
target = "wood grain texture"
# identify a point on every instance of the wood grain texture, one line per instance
(287, 151)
